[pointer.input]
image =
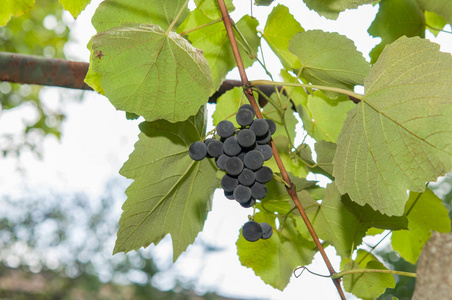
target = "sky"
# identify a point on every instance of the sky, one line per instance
(97, 140)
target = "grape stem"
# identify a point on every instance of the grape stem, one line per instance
(311, 86)
(291, 190)
(361, 271)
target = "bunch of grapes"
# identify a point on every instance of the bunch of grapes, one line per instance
(241, 153)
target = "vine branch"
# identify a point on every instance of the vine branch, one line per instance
(291, 190)
(361, 271)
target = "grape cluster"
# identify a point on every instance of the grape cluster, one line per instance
(253, 231)
(241, 153)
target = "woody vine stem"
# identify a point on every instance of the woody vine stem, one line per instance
(291, 189)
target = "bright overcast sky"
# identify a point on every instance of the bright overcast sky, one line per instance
(97, 141)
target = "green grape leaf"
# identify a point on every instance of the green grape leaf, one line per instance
(323, 117)
(170, 82)
(325, 154)
(441, 7)
(425, 213)
(93, 78)
(114, 13)
(366, 286)
(211, 9)
(271, 112)
(263, 2)
(372, 218)
(214, 42)
(396, 18)
(399, 136)
(434, 22)
(297, 95)
(332, 221)
(14, 8)
(274, 259)
(331, 8)
(281, 26)
(170, 194)
(75, 7)
(329, 59)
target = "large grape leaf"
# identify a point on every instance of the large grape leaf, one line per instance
(214, 42)
(366, 286)
(274, 259)
(400, 135)
(329, 59)
(281, 26)
(323, 117)
(441, 7)
(75, 7)
(170, 194)
(14, 8)
(368, 217)
(114, 13)
(152, 73)
(331, 8)
(425, 213)
(396, 18)
(332, 221)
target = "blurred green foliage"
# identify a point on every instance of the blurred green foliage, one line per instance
(40, 32)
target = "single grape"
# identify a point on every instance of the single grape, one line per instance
(252, 231)
(267, 230)
(242, 193)
(244, 117)
(229, 183)
(265, 139)
(254, 160)
(197, 150)
(207, 142)
(215, 148)
(234, 166)
(248, 107)
(271, 125)
(221, 161)
(225, 128)
(249, 203)
(259, 127)
(266, 151)
(231, 147)
(229, 195)
(264, 175)
(258, 190)
(247, 177)
(246, 138)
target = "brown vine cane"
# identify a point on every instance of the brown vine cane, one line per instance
(291, 190)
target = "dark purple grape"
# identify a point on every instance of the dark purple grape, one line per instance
(225, 128)
(249, 203)
(248, 107)
(229, 183)
(271, 126)
(258, 190)
(252, 231)
(242, 193)
(221, 161)
(262, 140)
(254, 160)
(266, 151)
(197, 150)
(267, 230)
(215, 148)
(244, 117)
(234, 166)
(246, 138)
(229, 195)
(264, 175)
(231, 147)
(247, 177)
(259, 127)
